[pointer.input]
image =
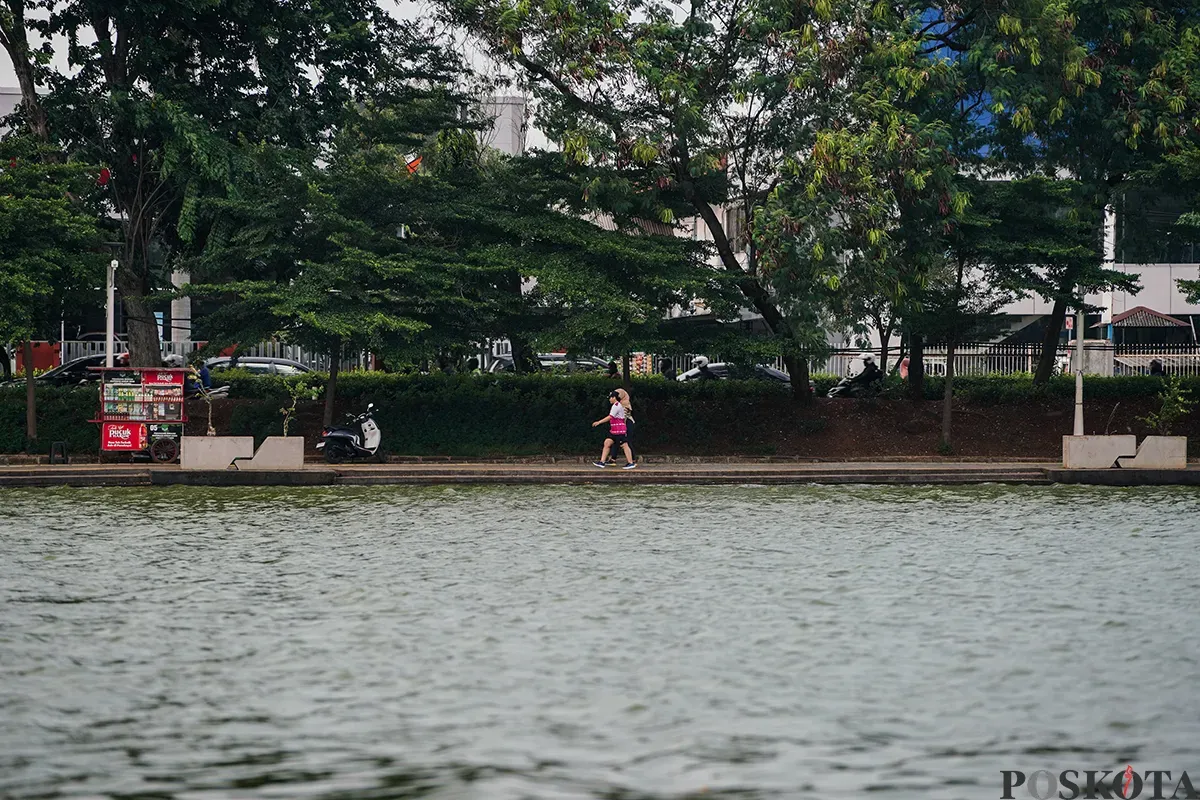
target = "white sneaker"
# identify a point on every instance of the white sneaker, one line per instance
(630, 465)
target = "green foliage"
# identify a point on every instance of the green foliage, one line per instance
(468, 415)
(48, 240)
(1174, 404)
(484, 415)
(674, 115)
(360, 254)
(62, 416)
(168, 98)
(297, 390)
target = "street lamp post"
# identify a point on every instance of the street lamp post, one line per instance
(110, 311)
(1079, 373)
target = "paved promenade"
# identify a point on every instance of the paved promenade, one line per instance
(888, 473)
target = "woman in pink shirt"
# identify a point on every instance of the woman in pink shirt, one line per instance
(616, 432)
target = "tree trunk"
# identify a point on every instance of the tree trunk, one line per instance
(5, 364)
(335, 359)
(522, 356)
(797, 367)
(625, 373)
(948, 397)
(756, 294)
(1050, 342)
(30, 399)
(141, 328)
(885, 340)
(916, 368)
(16, 42)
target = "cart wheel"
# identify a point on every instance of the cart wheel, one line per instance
(164, 451)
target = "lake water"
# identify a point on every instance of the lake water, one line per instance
(554, 642)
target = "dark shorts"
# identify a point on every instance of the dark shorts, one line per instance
(619, 439)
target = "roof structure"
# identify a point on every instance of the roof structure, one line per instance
(1142, 317)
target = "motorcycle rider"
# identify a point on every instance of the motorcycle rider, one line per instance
(870, 373)
(701, 363)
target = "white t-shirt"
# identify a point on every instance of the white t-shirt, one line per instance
(617, 411)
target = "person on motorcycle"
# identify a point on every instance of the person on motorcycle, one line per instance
(701, 363)
(870, 373)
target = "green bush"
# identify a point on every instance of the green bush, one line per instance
(491, 415)
(62, 416)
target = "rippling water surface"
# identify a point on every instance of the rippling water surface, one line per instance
(592, 643)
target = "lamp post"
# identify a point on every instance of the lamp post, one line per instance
(110, 310)
(1079, 373)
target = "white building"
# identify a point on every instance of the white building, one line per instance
(10, 98)
(509, 124)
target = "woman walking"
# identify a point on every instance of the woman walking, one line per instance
(630, 423)
(617, 431)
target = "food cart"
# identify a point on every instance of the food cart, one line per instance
(142, 411)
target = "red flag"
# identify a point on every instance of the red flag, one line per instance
(414, 165)
(104, 176)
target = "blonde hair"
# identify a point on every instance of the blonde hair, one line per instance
(623, 396)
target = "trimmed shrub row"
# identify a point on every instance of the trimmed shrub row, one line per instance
(491, 415)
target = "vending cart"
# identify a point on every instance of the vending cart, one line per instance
(142, 411)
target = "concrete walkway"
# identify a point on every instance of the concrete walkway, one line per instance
(889, 473)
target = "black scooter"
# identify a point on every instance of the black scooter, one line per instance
(358, 439)
(849, 387)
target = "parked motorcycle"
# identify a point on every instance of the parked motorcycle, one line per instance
(359, 438)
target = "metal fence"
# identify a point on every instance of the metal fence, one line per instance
(72, 350)
(969, 359)
(1177, 359)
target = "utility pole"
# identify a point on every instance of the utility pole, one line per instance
(1079, 372)
(110, 322)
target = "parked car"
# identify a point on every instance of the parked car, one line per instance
(724, 371)
(258, 365)
(75, 372)
(552, 361)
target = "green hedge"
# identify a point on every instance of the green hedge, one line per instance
(497, 415)
(1006, 389)
(518, 415)
(62, 416)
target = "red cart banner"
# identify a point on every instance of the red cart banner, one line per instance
(152, 377)
(122, 436)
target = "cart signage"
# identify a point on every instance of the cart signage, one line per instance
(122, 436)
(162, 378)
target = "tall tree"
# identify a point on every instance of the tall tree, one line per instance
(439, 256)
(158, 96)
(48, 247)
(704, 104)
(1113, 102)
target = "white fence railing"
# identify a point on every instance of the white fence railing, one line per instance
(72, 350)
(969, 359)
(1176, 359)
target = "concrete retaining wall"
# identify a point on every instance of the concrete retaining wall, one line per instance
(213, 452)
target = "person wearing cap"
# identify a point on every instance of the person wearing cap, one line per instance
(617, 432)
